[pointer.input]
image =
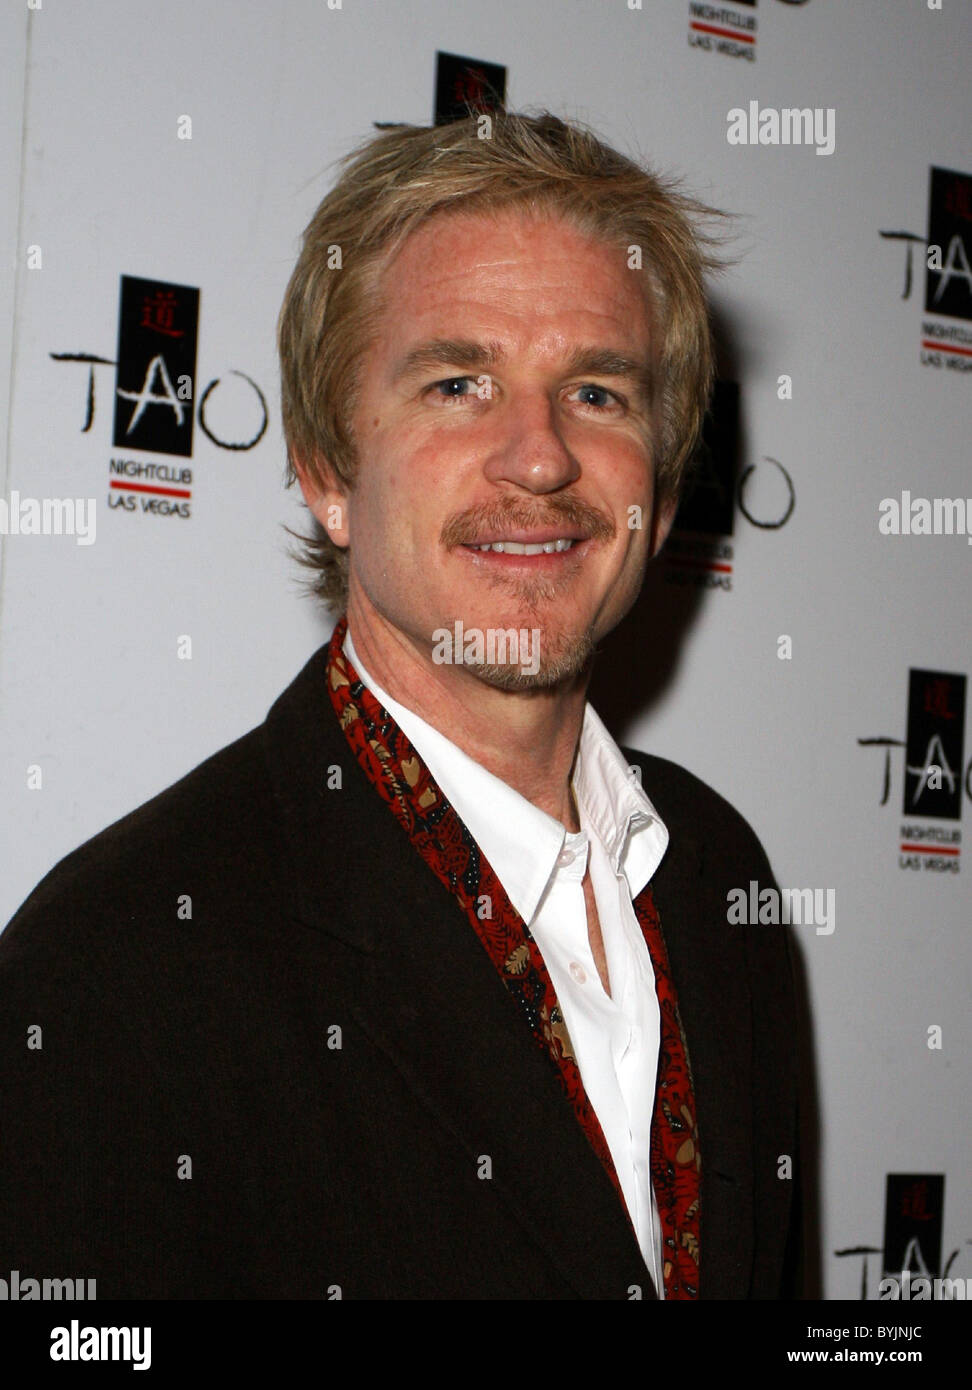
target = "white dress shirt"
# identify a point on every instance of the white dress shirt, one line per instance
(541, 865)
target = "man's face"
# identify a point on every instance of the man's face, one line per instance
(506, 400)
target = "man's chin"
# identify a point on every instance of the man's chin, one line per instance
(540, 667)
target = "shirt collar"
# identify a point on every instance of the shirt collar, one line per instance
(521, 842)
(612, 803)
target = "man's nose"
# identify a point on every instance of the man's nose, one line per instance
(528, 447)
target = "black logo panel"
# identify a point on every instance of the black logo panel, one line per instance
(158, 325)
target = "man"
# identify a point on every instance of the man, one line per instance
(423, 989)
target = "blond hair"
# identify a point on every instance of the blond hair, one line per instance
(402, 177)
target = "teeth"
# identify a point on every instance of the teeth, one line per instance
(515, 547)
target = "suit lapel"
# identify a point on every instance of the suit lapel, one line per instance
(710, 971)
(428, 996)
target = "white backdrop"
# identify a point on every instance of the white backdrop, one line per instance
(92, 691)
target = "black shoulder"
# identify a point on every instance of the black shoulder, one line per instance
(217, 814)
(691, 808)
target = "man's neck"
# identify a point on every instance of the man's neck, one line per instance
(527, 739)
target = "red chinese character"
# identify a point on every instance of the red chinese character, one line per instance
(958, 199)
(470, 86)
(936, 698)
(913, 1202)
(158, 313)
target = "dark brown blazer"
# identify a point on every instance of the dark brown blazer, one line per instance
(210, 1040)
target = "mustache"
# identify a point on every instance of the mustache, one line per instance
(466, 527)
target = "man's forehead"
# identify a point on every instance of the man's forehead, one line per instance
(451, 245)
(455, 243)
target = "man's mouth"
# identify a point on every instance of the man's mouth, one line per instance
(528, 548)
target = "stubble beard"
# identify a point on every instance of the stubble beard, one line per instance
(565, 656)
(572, 659)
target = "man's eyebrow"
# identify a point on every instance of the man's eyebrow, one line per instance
(447, 352)
(465, 352)
(611, 362)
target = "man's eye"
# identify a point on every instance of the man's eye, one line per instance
(453, 387)
(458, 388)
(606, 397)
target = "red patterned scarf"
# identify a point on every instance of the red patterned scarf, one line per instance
(406, 786)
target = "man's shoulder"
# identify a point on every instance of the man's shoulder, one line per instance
(216, 829)
(173, 840)
(687, 804)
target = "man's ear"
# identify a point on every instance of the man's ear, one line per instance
(328, 501)
(661, 523)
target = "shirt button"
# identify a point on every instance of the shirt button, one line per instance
(577, 972)
(565, 857)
